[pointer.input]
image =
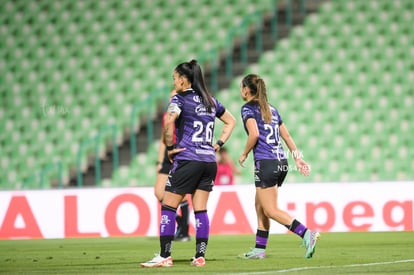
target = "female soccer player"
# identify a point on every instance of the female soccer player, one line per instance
(264, 128)
(163, 168)
(192, 114)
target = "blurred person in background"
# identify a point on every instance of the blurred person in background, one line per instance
(265, 128)
(225, 168)
(163, 168)
(190, 119)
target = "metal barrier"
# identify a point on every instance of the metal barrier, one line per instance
(96, 141)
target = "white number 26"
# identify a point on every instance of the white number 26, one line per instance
(198, 135)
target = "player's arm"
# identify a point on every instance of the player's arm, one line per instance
(161, 150)
(252, 137)
(163, 142)
(287, 138)
(169, 128)
(169, 133)
(302, 166)
(229, 123)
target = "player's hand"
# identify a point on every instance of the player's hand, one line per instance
(173, 152)
(159, 165)
(303, 167)
(242, 158)
(216, 147)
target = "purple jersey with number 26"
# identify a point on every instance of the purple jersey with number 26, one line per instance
(194, 128)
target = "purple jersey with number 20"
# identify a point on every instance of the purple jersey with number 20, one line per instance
(269, 145)
(194, 128)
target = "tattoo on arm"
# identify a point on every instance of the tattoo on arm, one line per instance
(168, 136)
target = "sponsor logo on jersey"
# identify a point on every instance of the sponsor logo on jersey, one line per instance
(201, 110)
(197, 99)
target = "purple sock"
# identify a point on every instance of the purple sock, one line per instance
(297, 228)
(300, 230)
(202, 224)
(167, 223)
(167, 230)
(261, 238)
(202, 232)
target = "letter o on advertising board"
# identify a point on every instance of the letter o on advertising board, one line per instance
(143, 212)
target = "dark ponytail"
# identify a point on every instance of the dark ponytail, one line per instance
(192, 71)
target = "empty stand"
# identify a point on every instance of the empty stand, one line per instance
(342, 84)
(70, 68)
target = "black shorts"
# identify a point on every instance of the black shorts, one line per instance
(269, 172)
(188, 175)
(165, 165)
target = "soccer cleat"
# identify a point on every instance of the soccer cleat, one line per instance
(254, 253)
(158, 261)
(200, 261)
(309, 242)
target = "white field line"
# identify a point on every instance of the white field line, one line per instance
(320, 267)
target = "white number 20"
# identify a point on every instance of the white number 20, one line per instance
(273, 136)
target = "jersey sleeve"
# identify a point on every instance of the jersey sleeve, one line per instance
(246, 112)
(220, 109)
(279, 117)
(175, 105)
(276, 114)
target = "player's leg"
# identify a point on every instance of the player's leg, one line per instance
(175, 190)
(262, 234)
(269, 195)
(182, 234)
(272, 175)
(268, 199)
(202, 224)
(159, 187)
(162, 177)
(199, 199)
(167, 230)
(159, 190)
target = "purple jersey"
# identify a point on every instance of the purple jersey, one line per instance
(194, 127)
(269, 144)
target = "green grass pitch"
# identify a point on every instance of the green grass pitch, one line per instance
(336, 253)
